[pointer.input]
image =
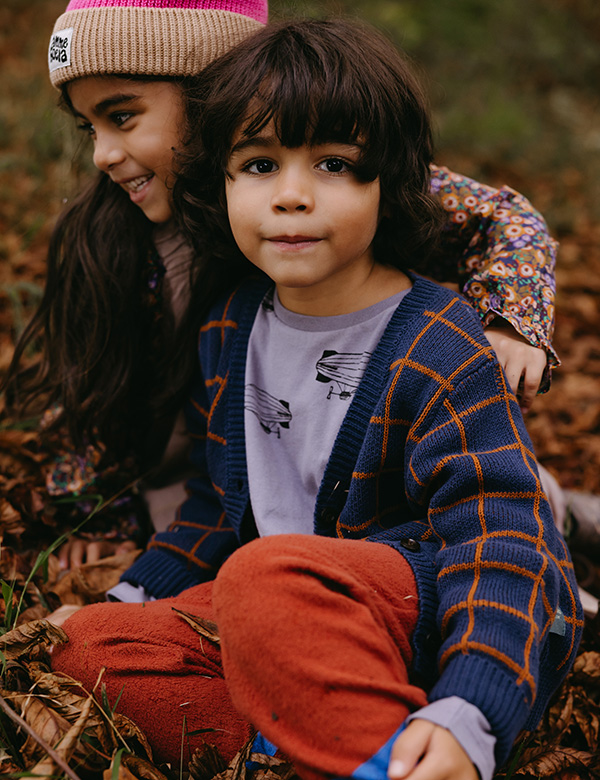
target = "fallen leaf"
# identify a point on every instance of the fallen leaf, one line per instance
(21, 639)
(134, 768)
(206, 628)
(88, 584)
(550, 761)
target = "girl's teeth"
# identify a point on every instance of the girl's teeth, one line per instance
(136, 184)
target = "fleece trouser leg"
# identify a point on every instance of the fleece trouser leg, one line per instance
(315, 636)
(166, 671)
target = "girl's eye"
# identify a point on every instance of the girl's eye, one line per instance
(334, 165)
(86, 127)
(261, 166)
(120, 117)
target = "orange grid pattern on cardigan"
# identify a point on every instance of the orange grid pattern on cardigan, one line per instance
(455, 419)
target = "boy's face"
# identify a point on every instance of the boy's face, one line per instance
(135, 126)
(303, 217)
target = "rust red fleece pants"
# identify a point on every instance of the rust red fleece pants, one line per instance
(315, 639)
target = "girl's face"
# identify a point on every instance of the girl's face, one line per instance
(303, 217)
(135, 127)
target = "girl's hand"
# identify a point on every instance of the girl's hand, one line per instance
(523, 363)
(426, 751)
(76, 551)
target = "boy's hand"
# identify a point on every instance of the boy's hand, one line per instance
(523, 363)
(441, 756)
(75, 551)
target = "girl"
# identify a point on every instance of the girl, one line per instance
(353, 416)
(115, 325)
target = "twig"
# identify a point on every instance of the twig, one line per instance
(60, 763)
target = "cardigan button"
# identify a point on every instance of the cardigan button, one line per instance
(410, 544)
(328, 515)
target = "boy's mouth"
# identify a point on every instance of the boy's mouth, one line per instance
(135, 185)
(294, 242)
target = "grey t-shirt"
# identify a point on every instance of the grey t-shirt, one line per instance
(301, 374)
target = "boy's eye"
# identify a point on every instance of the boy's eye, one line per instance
(261, 166)
(334, 165)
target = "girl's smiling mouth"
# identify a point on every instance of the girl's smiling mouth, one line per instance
(135, 185)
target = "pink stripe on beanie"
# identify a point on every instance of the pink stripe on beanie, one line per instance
(255, 9)
(147, 37)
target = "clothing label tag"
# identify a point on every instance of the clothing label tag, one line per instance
(559, 626)
(59, 51)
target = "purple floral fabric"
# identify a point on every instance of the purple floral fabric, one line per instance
(497, 248)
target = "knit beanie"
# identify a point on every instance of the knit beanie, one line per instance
(148, 37)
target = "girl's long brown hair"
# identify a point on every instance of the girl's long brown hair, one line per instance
(108, 358)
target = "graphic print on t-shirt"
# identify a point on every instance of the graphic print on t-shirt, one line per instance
(273, 414)
(343, 369)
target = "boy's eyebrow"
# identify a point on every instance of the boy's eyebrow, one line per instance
(254, 140)
(272, 140)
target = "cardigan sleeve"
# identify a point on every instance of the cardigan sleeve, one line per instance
(199, 540)
(501, 568)
(497, 247)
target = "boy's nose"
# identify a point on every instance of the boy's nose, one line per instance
(107, 152)
(292, 193)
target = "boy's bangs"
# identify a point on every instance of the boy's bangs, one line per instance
(307, 108)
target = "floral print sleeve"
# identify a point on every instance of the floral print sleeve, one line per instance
(506, 257)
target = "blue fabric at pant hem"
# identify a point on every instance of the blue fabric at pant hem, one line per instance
(261, 745)
(375, 768)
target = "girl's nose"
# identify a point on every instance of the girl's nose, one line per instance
(293, 192)
(108, 152)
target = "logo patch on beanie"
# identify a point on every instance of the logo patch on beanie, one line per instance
(59, 51)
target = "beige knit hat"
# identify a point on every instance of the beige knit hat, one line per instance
(149, 37)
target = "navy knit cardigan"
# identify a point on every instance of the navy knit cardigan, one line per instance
(432, 459)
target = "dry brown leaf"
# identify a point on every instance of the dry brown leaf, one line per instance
(587, 667)
(206, 762)
(46, 723)
(8, 767)
(270, 774)
(237, 769)
(15, 442)
(129, 730)
(88, 584)
(37, 612)
(206, 628)
(134, 768)
(40, 632)
(587, 715)
(46, 765)
(275, 768)
(549, 761)
(561, 713)
(9, 517)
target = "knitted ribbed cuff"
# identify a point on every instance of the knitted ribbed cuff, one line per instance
(142, 41)
(493, 691)
(163, 575)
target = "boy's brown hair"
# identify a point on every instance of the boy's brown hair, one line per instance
(318, 81)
